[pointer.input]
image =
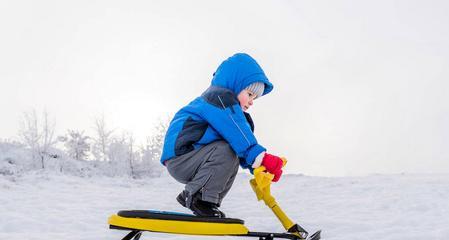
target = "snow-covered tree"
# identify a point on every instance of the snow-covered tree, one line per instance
(132, 155)
(118, 156)
(38, 137)
(76, 144)
(156, 141)
(152, 150)
(102, 140)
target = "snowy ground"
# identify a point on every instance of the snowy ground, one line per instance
(44, 206)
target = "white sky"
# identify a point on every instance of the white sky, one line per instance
(361, 87)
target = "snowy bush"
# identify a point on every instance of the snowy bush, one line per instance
(14, 158)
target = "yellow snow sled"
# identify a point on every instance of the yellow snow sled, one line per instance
(139, 221)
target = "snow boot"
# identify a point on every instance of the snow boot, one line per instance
(199, 207)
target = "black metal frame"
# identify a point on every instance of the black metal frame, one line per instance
(136, 234)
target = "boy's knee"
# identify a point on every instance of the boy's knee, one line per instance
(226, 152)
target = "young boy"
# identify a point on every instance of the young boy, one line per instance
(208, 139)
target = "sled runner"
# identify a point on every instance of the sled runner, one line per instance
(139, 221)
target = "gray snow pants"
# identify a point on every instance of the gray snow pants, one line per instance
(210, 169)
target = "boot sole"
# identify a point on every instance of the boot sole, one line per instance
(181, 200)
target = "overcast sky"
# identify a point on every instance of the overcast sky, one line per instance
(361, 87)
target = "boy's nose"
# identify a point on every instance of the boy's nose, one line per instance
(250, 102)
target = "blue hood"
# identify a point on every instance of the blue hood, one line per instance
(238, 72)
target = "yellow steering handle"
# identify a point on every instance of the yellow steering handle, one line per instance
(261, 185)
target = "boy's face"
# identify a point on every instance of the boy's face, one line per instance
(246, 99)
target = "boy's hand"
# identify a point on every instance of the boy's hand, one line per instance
(273, 164)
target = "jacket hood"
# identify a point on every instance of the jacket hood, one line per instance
(238, 72)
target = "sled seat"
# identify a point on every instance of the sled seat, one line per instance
(174, 222)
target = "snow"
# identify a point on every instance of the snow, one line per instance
(43, 205)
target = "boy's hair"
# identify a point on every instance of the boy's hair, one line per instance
(256, 88)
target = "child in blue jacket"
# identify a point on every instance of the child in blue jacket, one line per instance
(210, 137)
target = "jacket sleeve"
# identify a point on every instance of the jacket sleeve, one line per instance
(223, 112)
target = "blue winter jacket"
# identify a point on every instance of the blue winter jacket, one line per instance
(217, 115)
